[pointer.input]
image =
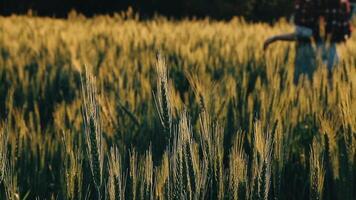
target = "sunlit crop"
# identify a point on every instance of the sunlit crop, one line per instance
(118, 108)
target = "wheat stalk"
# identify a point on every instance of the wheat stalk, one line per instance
(73, 168)
(162, 100)
(92, 128)
(117, 179)
(237, 166)
(7, 175)
(317, 171)
(3, 153)
(134, 175)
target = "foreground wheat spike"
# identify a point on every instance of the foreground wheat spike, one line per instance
(117, 179)
(134, 175)
(263, 147)
(8, 177)
(162, 102)
(73, 160)
(3, 154)
(179, 170)
(198, 90)
(211, 136)
(317, 171)
(92, 128)
(146, 172)
(237, 166)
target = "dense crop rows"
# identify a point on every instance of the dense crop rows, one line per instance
(121, 109)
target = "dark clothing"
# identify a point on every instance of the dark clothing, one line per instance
(334, 13)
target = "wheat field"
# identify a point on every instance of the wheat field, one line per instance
(121, 108)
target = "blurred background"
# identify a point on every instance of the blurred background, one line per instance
(253, 10)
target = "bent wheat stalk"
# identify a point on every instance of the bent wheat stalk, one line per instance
(162, 98)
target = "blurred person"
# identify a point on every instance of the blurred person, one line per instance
(319, 26)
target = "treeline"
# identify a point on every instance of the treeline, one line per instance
(256, 10)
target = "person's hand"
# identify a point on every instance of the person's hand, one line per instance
(268, 42)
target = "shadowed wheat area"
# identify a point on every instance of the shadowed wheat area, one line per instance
(117, 108)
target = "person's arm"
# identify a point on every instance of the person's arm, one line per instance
(300, 33)
(285, 37)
